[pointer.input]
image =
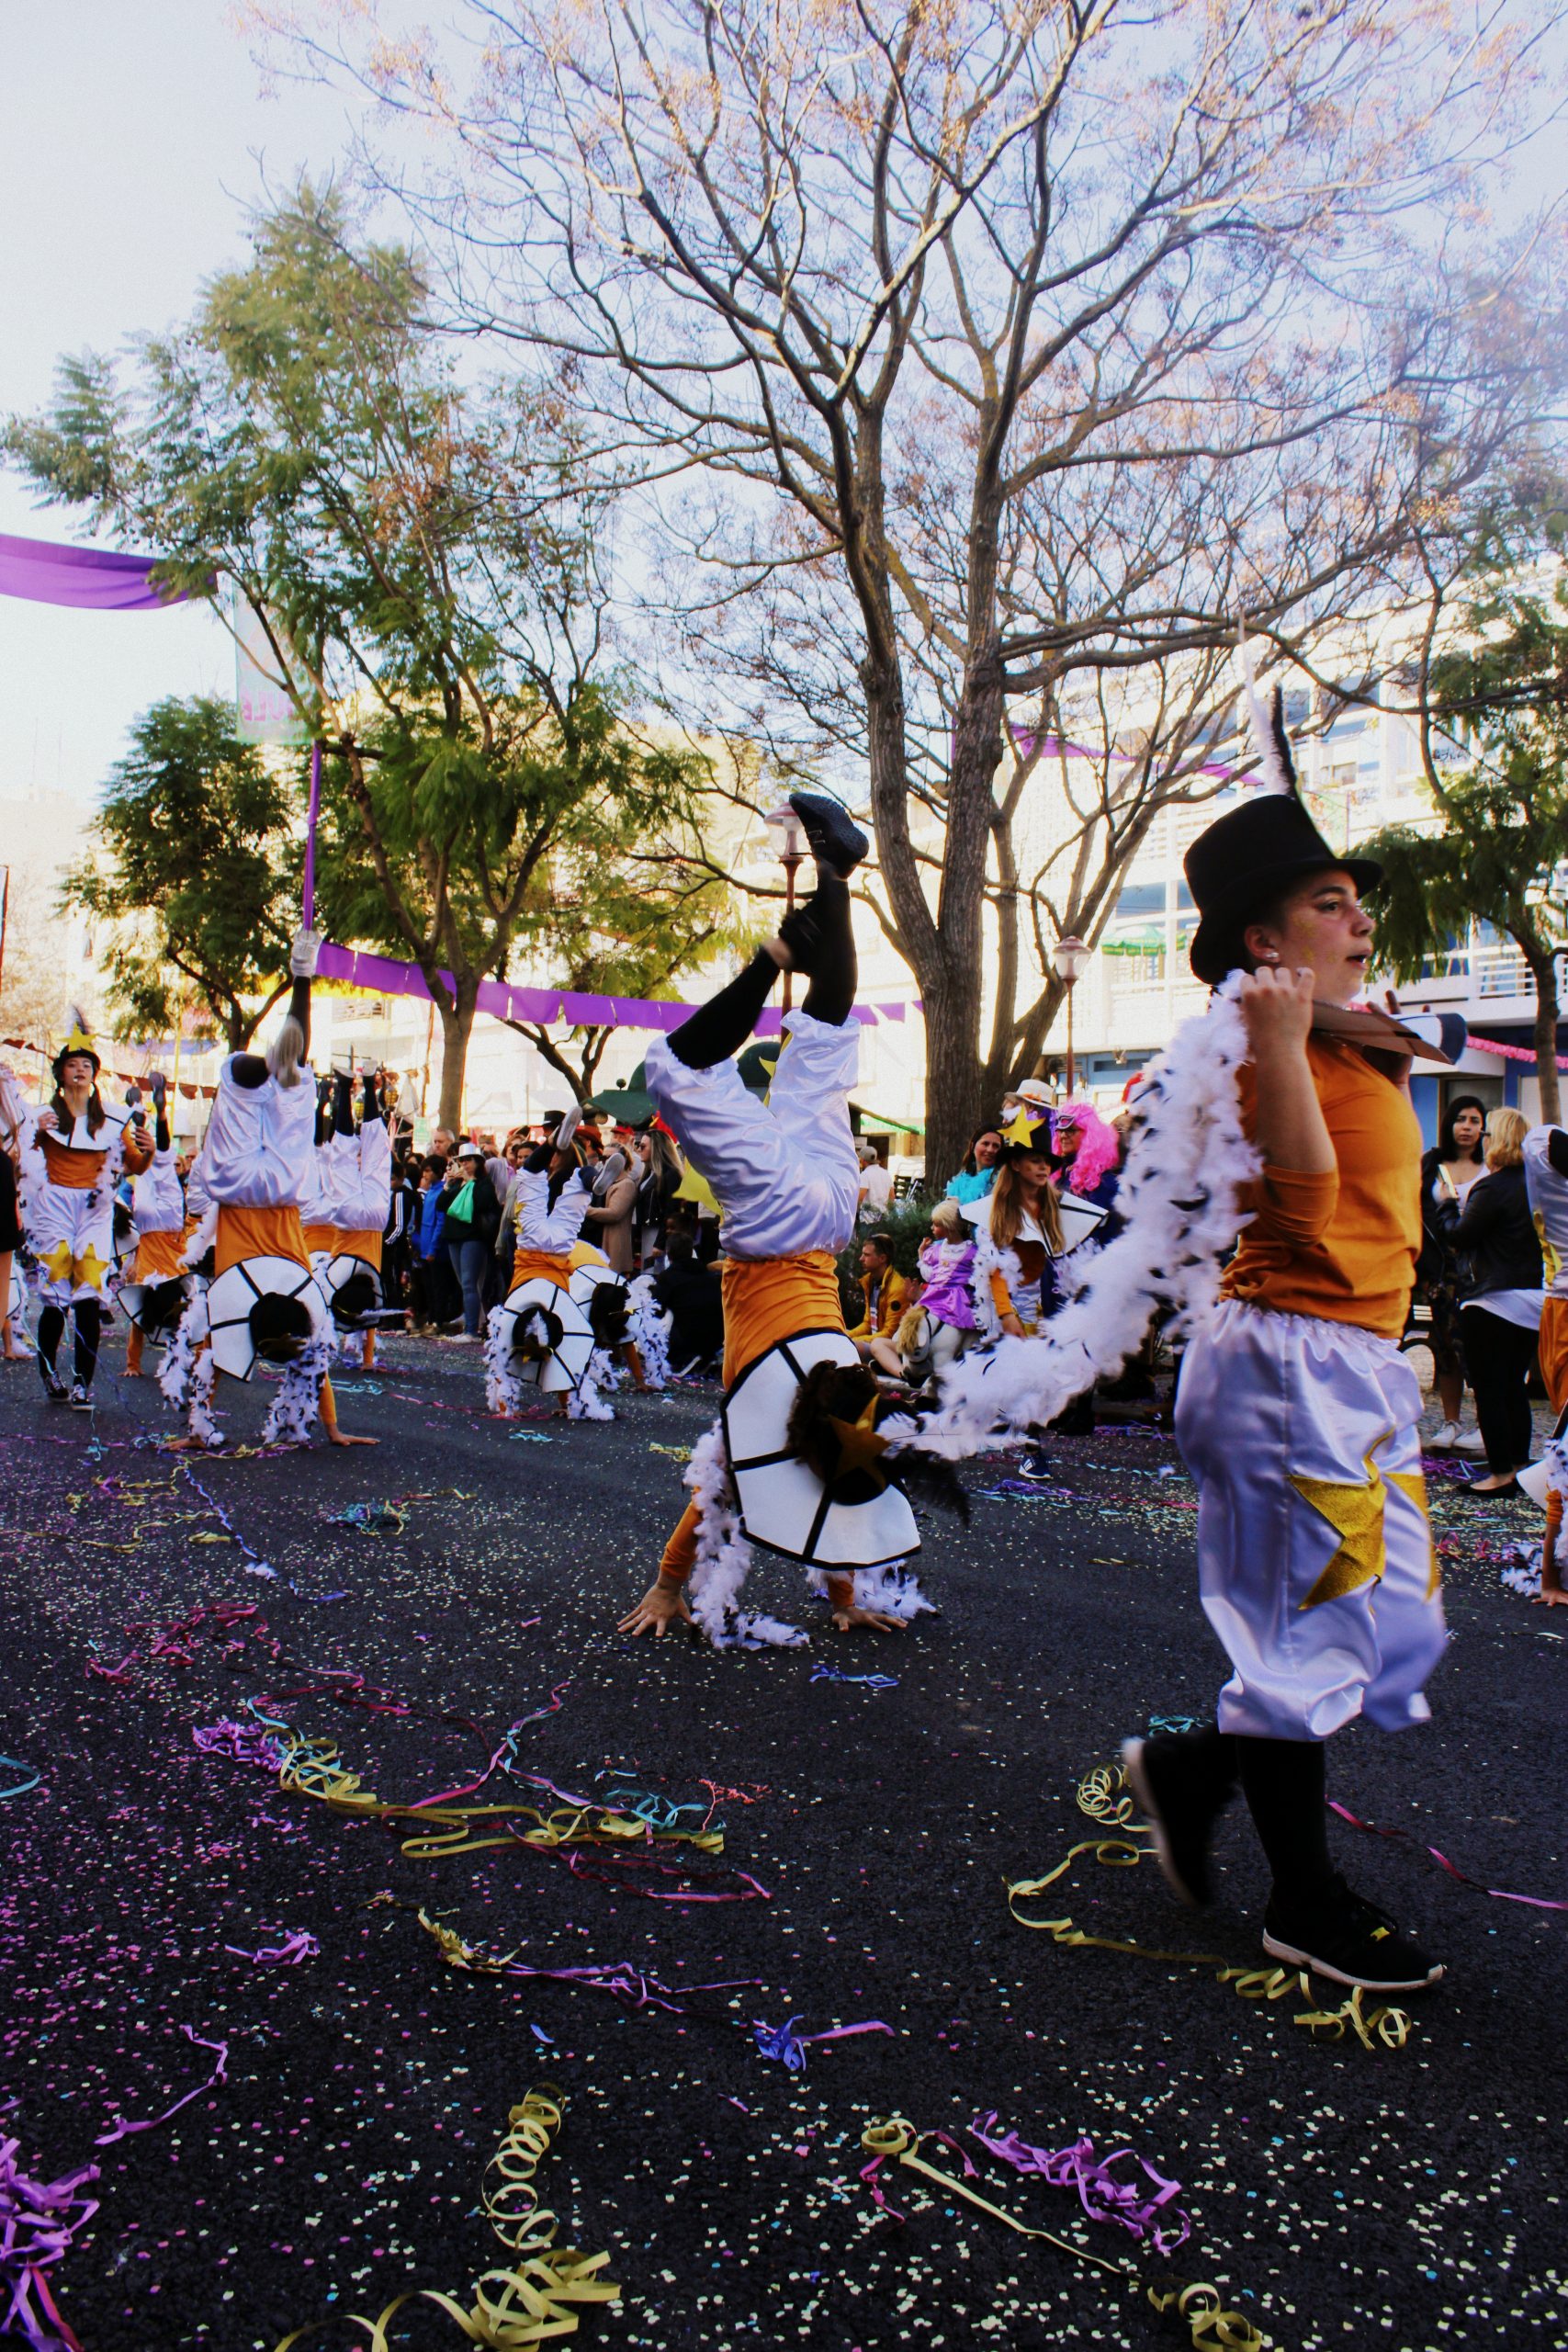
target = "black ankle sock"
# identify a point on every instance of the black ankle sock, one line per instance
(89, 1324)
(51, 1330)
(1283, 1781)
(834, 966)
(342, 1104)
(1208, 1753)
(721, 1027)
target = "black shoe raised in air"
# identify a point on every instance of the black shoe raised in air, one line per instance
(836, 840)
(1182, 1805)
(1338, 1934)
(53, 1386)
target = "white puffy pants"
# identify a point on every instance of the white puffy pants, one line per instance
(783, 1172)
(1315, 1552)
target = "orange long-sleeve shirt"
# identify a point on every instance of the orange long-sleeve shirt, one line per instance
(1342, 1246)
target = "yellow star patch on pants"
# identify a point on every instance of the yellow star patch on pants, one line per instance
(1354, 1510)
(89, 1267)
(57, 1262)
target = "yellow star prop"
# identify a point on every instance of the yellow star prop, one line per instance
(1355, 1513)
(860, 1447)
(1022, 1128)
(1412, 1486)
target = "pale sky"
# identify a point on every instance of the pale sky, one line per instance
(133, 136)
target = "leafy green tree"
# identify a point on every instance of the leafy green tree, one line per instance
(196, 864)
(421, 554)
(1500, 690)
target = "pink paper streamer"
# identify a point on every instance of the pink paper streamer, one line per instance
(301, 1944)
(38, 2222)
(782, 2041)
(1498, 1893)
(123, 2131)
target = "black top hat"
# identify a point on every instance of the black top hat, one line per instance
(1246, 858)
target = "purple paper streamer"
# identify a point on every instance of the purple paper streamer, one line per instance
(297, 1945)
(123, 2131)
(241, 1743)
(38, 2222)
(1103, 2197)
(782, 2041)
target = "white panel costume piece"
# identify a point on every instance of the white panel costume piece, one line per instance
(259, 1141)
(157, 1197)
(359, 1181)
(1315, 1562)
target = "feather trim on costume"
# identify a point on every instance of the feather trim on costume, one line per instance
(584, 1403)
(297, 1401)
(1266, 725)
(201, 1422)
(649, 1332)
(203, 1238)
(1187, 1162)
(724, 1557)
(503, 1390)
(991, 1259)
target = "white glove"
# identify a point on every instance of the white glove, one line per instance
(303, 954)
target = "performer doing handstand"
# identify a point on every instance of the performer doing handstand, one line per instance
(788, 1182)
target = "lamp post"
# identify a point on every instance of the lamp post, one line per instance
(790, 840)
(1071, 960)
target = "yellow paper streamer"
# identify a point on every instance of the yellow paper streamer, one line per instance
(311, 1768)
(512, 2311)
(1212, 2327)
(1100, 1797)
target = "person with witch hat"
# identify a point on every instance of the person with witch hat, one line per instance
(799, 1407)
(74, 1149)
(1297, 1415)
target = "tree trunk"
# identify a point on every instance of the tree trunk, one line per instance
(1544, 968)
(456, 1028)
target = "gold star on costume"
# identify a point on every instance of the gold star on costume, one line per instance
(89, 1267)
(860, 1447)
(57, 1262)
(1022, 1128)
(1355, 1513)
(1412, 1486)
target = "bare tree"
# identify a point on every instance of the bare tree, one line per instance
(972, 354)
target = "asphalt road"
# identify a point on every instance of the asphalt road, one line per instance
(1410, 2197)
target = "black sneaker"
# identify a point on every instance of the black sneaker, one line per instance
(836, 840)
(1180, 1810)
(53, 1386)
(1338, 1934)
(79, 1400)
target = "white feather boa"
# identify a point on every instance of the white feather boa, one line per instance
(724, 1557)
(503, 1390)
(1177, 1200)
(584, 1403)
(650, 1331)
(292, 1415)
(991, 1259)
(187, 1374)
(893, 1590)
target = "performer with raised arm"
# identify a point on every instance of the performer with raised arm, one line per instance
(799, 1465)
(1297, 1415)
(72, 1150)
(359, 1190)
(153, 1298)
(264, 1305)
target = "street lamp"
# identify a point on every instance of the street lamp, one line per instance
(789, 845)
(1071, 960)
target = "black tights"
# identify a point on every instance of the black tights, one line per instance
(1283, 1782)
(88, 1318)
(822, 927)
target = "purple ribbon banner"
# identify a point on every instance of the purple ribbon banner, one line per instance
(92, 580)
(382, 976)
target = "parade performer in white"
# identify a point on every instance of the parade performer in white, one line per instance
(544, 1334)
(74, 1148)
(798, 1462)
(1297, 1413)
(264, 1305)
(359, 1196)
(152, 1297)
